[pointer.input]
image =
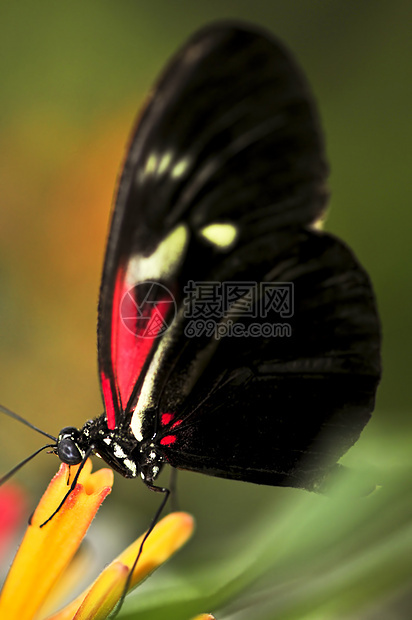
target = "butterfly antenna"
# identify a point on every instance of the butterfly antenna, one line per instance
(146, 536)
(26, 460)
(11, 414)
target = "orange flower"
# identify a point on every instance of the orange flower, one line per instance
(98, 601)
(46, 552)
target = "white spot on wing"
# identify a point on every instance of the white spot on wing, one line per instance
(151, 164)
(163, 262)
(137, 424)
(319, 223)
(146, 394)
(221, 235)
(164, 163)
(180, 168)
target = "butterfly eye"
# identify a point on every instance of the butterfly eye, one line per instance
(67, 450)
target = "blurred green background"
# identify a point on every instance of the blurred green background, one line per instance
(73, 76)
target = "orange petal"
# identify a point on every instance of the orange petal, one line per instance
(45, 552)
(97, 602)
(204, 617)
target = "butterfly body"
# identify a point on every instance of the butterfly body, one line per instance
(120, 449)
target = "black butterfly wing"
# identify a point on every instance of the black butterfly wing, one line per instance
(282, 410)
(229, 139)
(224, 177)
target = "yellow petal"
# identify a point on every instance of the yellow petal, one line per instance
(45, 552)
(97, 602)
(104, 593)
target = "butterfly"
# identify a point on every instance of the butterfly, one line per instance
(235, 338)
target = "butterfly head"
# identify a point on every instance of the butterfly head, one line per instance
(68, 449)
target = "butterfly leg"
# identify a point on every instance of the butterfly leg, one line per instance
(149, 531)
(173, 489)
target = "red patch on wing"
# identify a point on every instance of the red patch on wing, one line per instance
(177, 423)
(166, 418)
(168, 440)
(108, 401)
(136, 325)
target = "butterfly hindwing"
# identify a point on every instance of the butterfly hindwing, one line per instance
(281, 410)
